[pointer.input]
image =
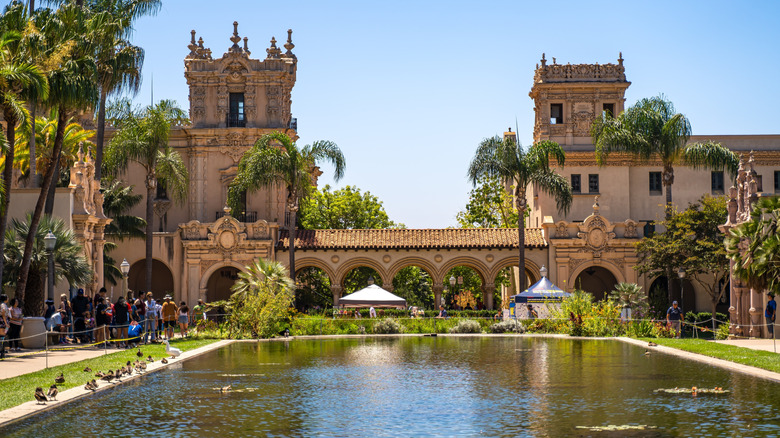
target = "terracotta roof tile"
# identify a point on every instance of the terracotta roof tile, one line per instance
(449, 238)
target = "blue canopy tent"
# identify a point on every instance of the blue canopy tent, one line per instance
(541, 292)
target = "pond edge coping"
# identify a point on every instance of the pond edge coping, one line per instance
(31, 408)
(722, 363)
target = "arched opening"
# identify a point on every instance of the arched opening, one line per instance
(415, 285)
(359, 277)
(162, 278)
(597, 281)
(220, 282)
(312, 289)
(660, 299)
(463, 289)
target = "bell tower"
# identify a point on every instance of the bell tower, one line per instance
(568, 97)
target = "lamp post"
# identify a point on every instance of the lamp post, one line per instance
(125, 268)
(49, 241)
(681, 274)
(543, 271)
(452, 288)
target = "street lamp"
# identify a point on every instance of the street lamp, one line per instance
(370, 280)
(681, 274)
(125, 268)
(49, 241)
(543, 271)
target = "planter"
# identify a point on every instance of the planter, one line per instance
(33, 326)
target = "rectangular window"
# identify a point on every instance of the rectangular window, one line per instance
(655, 183)
(162, 193)
(236, 115)
(608, 108)
(759, 183)
(777, 181)
(717, 182)
(556, 113)
(593, 183)
(576, 184)
(649, 228)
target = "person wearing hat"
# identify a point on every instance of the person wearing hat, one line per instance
(674, 318)
(50, 310)
(169, 311)
(770, 313)
(80, 306)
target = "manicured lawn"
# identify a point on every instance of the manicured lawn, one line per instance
(17, 390)
(757, 358)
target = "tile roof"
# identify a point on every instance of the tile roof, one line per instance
(449, 238)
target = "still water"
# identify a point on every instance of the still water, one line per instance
(466, 386)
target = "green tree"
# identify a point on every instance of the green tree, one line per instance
(69, 261)
(276, 159)
(630, 294)
(506, 160)
(691, 242)
(19, 79)
(651, 129)
(71, 88)
(142, 138)
(415, 285)
(342, 209)
(490, 206)
(754, 246)
(261, 300)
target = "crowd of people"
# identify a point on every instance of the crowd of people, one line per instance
(127, 322)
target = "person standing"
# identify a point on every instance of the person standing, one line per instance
(199, 315)
(531, 312)
(168, 316)
(150, 324)
(15, 323)
(674, 319)
(3, 323)
(372, 312)
(184, 319)
(101, 319)
(770, 313)
(80, 305)
(121, 319)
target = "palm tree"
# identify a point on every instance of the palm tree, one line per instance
(69, 261)
(507, 160)
(276, 159)
(18, 79)
(143, 139)
(118, 201)
(754, 246)
(71, 87)
(652, 129)
(262, 297)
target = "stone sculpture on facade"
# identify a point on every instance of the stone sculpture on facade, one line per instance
(746, 303)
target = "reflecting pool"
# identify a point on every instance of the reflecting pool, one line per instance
(422, 386)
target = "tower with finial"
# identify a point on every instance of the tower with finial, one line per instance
(568, 97)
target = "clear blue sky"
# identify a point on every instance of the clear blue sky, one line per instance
(407, 89)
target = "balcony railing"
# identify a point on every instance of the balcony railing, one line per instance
(249, 216)
(236, 121)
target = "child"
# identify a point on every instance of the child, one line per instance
(89, 323)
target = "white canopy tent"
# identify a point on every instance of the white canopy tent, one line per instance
(372, 295)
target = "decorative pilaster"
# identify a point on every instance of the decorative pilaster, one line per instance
(438, 289)
(336, 290)
(487, 295)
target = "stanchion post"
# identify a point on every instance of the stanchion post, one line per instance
(46, 348)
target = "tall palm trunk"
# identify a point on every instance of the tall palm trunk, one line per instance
(151, 186)
(33, 171)
(8, 175)
(668, 180)
(521, 203)
(21, 282)
(101, 132)
(49, 206)
(293, 228)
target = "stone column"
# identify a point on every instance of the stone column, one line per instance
(197, 197)
(756, 308)
(487, 294)
(733, 299)
(336, 290)
(438, 288)
(191, 288)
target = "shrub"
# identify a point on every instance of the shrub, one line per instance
(467, 326)
(510, 325)
(387, 326)
(722, 332)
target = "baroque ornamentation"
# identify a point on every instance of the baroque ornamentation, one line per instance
(596, 231)
(562, 230)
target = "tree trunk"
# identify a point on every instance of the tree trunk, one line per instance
(101, 132)
(35, 293)
(32, 6)
(151, 187)
(714, 311)
(8, 175)
(49, 207)
(521, 280)
(33, 170)
(293, 223)
(21, 282)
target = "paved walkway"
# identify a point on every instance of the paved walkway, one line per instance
(29, 361)
(754, 344)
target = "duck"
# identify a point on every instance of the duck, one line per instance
(174, 352)
(226, 388)
(40, 396)
(139, 354)
(52, 392)
(108, 376)
(87, 370)
(59, 379)
(91, 386)
(652, 344)
(647, 353)
(149, 359)
(99, 374)
(164, 360)
(142, 365)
